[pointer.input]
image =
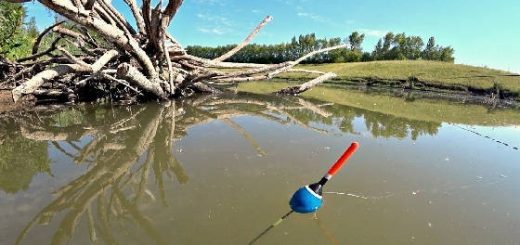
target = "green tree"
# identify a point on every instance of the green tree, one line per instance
(447, 54)
(413, 47)
(356, 40)
(391, 47)
(398, 44)
(378, 52)
(398, 47)
(431, 52)
(387, 42)
(16, 36)
(367, 56)
(11, 21)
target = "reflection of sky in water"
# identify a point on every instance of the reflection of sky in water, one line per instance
(412, 181)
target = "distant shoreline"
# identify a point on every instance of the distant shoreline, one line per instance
(489, 85)
(435, 80)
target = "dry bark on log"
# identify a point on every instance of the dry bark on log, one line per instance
(35, 82)
(135, 77)
(44, 76)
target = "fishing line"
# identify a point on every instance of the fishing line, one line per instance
(447, 190)
(276, 223)
(308, 199)
(487, 137)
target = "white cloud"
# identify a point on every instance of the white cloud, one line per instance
(214, 19)
(211, 2)
(294, 2)
(312, 16)
(373, 33)
(215, 30)
(214, 24)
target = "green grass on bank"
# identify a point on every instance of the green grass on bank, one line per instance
(430, 110)
(426, 71)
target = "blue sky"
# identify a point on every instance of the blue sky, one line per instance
(482, 32)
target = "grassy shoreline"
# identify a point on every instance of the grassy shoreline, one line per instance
(422, 109)
(421, 75)
(429, 76)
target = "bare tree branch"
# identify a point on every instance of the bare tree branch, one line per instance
(71, 57)
(137, 15)
(38, 40)
(246, 41)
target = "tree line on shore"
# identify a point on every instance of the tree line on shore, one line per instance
(17, 35)
(391, 47)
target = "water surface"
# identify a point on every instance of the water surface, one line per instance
(220, 169)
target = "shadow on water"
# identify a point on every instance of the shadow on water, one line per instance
(125, 150)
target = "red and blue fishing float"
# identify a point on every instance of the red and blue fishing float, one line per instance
(308, 199)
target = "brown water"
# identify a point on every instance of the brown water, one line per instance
(219, 170)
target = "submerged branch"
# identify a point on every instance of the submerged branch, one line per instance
(306, 86)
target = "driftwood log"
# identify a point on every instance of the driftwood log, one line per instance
(146, 62)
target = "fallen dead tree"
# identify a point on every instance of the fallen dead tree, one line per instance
(112, 58)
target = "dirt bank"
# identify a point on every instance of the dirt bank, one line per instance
(7, 104)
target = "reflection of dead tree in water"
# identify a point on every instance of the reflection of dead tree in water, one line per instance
(116, 181)
(110, 172)
(245, 134)
(130, 146)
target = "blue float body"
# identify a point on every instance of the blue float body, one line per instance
(304, 200)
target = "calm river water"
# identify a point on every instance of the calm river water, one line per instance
(221, 169)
